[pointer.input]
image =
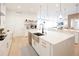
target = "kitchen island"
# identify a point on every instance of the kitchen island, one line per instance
(53, 43)
(73, 31)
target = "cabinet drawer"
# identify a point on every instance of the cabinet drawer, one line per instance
(44, 48)
(44, 43)
(36, 38)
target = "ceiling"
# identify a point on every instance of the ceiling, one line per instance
(46, 8)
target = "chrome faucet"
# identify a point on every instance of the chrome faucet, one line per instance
(43, 27)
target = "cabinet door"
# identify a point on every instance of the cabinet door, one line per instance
(44, 48)
(30, 38)
(3, 49)
(3, 8)
(9, 40)
(5, 45)
(35, 45)
(3, 14)
(0, 9)
(76, 37)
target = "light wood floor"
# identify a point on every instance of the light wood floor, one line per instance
(17, 43)
(76, 49)
(20, 47)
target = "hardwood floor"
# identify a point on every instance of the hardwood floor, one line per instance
(20, 47)
(76, 49)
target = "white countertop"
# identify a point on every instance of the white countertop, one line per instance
(54, 37)
(72, 30)
(66, 30)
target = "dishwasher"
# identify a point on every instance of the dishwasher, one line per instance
(35, 42)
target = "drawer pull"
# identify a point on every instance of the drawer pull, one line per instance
(43, 46)
(7, 45)
(43, 43)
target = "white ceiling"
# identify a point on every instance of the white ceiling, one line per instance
(34, 8)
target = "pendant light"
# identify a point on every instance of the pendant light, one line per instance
(41, 18)
(60, 15)
(40, 12)
(47, 12)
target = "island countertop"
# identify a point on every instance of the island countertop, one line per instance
(54, 37)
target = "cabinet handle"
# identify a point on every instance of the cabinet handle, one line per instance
(7, 45)
(43, 46)
(44, 43)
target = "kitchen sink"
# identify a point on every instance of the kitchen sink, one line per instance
(38, 34)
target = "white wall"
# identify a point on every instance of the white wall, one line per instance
(15, 22)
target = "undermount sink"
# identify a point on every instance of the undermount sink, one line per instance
(38, 34)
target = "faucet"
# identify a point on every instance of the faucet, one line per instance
(43, 27)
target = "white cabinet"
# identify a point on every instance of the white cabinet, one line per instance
(41, 46)
(3, 8)
(30, 38)
(44, 48)
(2, 14)
(35, 43)
(64, 48)
(76, 37)
(8, 42)
(5, 45)
(3, 49)
(3, 20)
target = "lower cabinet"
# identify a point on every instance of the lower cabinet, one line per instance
(64, 48)
(35, 45)
(30, 38)
(5, 45)
(41, 46)
(76, 37)
(3, 49)
(44, 48)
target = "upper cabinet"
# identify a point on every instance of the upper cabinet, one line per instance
(73, 21)
(2, 9)
(74, 16)
(2, 13)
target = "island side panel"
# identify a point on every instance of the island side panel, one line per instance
(30, 38)
(64, 48)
